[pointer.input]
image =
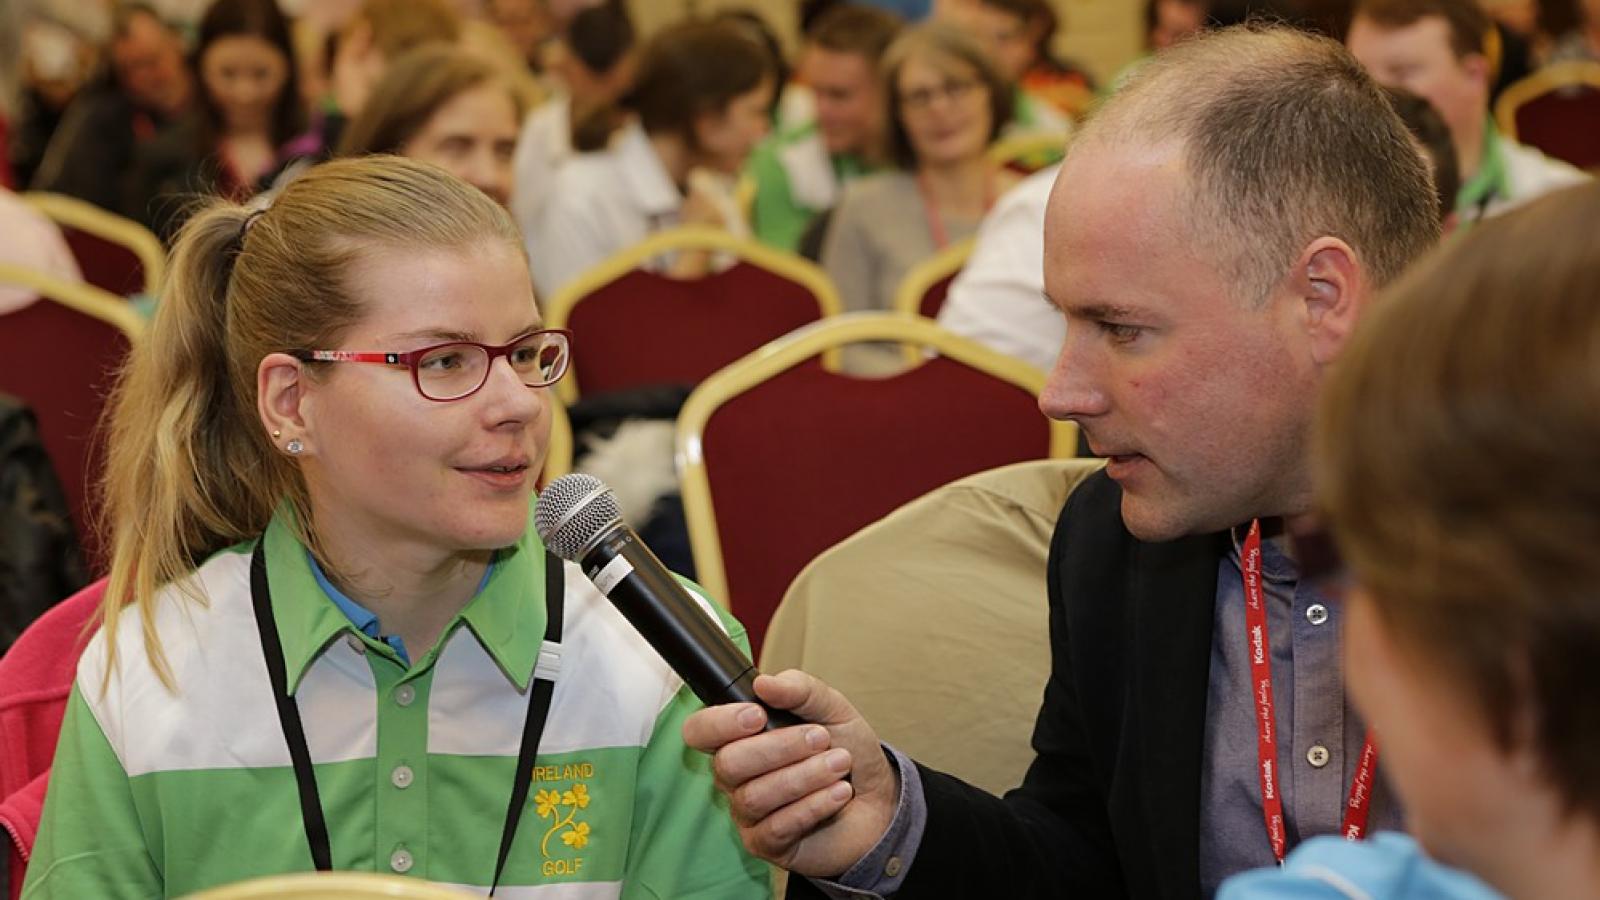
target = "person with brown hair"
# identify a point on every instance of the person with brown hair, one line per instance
(248, 107)
(1215, 232)
(1456, 469)
(331, 637)
(664, 155)
(1019, 35)
(800, 171)
(1436, 50)
(446, 106)
(946, 105)
(358, 55)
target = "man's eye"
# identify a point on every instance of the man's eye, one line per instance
(1120, 334)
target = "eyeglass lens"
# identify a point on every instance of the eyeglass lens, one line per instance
(451, 371)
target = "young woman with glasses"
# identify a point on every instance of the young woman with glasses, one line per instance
(947, 104)
(331, 638)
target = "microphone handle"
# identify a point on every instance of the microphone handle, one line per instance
(674, 623)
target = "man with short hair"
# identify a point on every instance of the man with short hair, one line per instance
(1435, 49)
(149, 86)
(1213, 236)
(799, 173)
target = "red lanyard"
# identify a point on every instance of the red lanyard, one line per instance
(930, 208)
(1360, 800)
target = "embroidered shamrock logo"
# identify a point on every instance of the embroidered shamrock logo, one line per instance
(578, 796)
(562, 811)
(545, 802)
(577, 836)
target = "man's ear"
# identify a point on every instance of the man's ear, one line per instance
(281, 401)
(1330, 281)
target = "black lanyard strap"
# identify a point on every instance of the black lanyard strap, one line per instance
(294, 733)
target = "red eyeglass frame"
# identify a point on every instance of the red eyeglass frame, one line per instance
(411, 358)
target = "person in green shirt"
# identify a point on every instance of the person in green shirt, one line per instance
(331, 638)
(1437, 50)
(800, 171)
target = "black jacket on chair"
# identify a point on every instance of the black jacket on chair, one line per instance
(40, 562)
(1111, 805)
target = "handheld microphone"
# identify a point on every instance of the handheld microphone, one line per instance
(578, 518)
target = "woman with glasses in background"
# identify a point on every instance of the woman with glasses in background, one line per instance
(947, 104)
(331, 638)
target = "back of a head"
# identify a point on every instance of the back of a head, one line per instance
(415, 86)
(1431, 132)
(600, 36)
(401, 25)
(865, 31)
(1285, 138)
(693, 68)
(1456, 464)
(189, 469)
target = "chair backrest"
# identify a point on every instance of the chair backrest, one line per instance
(59, 355)
(558, 453)
(934, 621)
(633, 327)
(780, 457)
(1557, 110)
(922, 291)
(115, 254)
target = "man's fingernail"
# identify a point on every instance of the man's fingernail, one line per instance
(816, 738)
(750, 718)
(840, 791)
(839, 760)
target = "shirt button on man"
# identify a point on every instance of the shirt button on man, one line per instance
(1316, 614)
(400, 860)
(401, 777)
(1317, 756)
(404, 695)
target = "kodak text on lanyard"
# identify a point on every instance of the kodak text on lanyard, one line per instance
(1360, 800)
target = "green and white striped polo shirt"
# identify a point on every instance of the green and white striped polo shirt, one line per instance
(159, 794)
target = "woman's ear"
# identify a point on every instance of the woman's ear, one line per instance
(281, 400)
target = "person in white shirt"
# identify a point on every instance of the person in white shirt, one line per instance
(1435, 49)
(700, 104)
(593, 63)
(998, 299)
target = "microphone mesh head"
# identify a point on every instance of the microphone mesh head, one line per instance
(572, 511)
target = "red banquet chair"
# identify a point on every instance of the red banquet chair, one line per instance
(1556, 109)
(59, 355)
(781, 457)
(115, 254)
(632, 327)
(922, 292)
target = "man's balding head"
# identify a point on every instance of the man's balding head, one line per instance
(1285, 138)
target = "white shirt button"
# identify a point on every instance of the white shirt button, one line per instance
(400, 860)
(1317, 756)
(1316, 614)
(355, 643)
(404, 695)
(892, 867)
(401, 777)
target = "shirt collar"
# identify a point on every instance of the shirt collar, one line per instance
(1277, 564)
(507, 616)
(648, 182)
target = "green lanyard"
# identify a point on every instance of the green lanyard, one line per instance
(1489, 184)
